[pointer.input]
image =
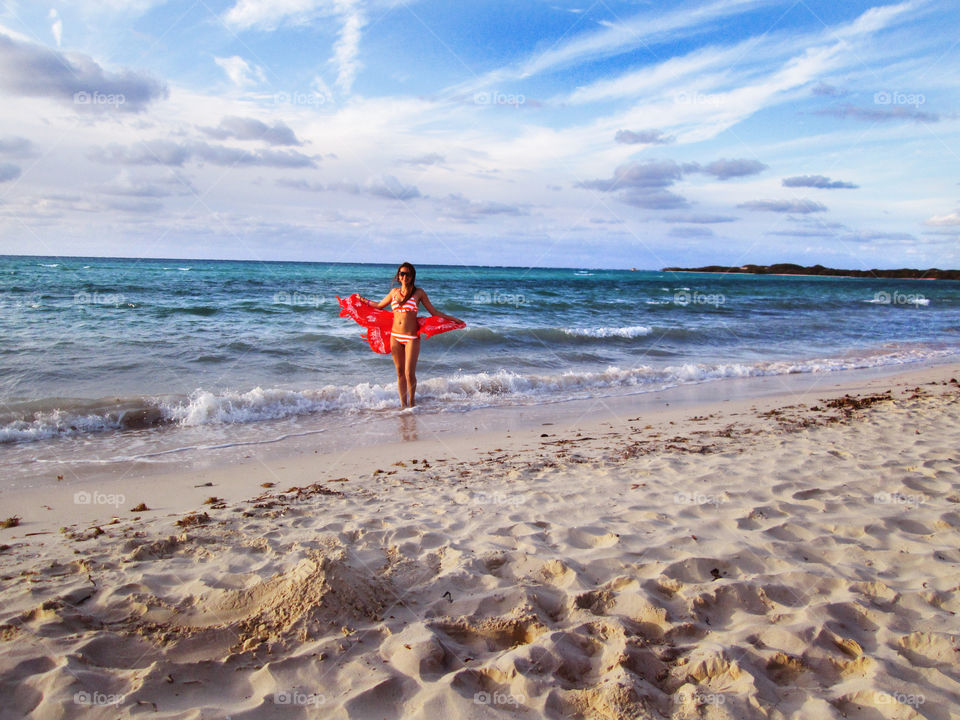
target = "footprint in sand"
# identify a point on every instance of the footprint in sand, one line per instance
(419, 651)
(930, 649)
(109, 650)
(592, 537)
(556, 573)
(20, 697)
(808, 494)
(700, 570)
(719, 605)
(488, 687)
(385, 698)
(492, 634)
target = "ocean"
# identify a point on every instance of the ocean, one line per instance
(111, 359)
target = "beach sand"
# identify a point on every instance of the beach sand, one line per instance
(791, 556)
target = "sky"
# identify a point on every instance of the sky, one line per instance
(608, 134)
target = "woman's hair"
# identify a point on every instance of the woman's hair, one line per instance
(413, 277)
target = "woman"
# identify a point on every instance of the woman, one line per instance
(404, 335)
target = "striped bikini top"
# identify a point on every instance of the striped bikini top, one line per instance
(410, 305)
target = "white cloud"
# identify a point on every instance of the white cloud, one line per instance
(347, 48)
(351, 14)
(638, 31)
(114, 6)
(634, 32)
(803, 206)
(944, 220)
(57, 26)
(269, 14)
(698, 96)
(240, 72)
(127, 185)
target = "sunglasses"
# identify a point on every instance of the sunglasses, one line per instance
(403, 273)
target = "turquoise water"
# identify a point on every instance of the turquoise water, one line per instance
(98, 346)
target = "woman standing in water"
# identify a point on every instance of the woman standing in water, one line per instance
(405, 333)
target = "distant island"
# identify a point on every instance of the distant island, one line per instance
(791, 269)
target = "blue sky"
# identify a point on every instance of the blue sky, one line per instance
(601, 134)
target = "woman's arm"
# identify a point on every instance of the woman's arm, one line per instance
(380, 305)
(433, 311)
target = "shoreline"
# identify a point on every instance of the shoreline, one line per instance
(788, 554)
(398, 433)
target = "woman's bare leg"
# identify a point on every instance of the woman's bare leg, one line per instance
(397, 350)
(413, 352)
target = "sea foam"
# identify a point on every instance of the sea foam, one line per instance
(459, 392)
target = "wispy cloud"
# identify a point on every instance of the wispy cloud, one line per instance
(877, 236)
(56, 26)
(881, 113)
(264, 15)
(698, 95)
(817, 181)
(386, 186)
(726, 168)
(648, 174)
(699, 219)
(803, 206)
(423, 160)
(691, 232)
(173, 154)
(240, 72)
(654, 199)
(644, 137)
(948, 220)
(350, 14)
(149, 152)
(822, 89)
(245, 128)
(457, 207)
(635, 32)
(346, 50)
(127, 185)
